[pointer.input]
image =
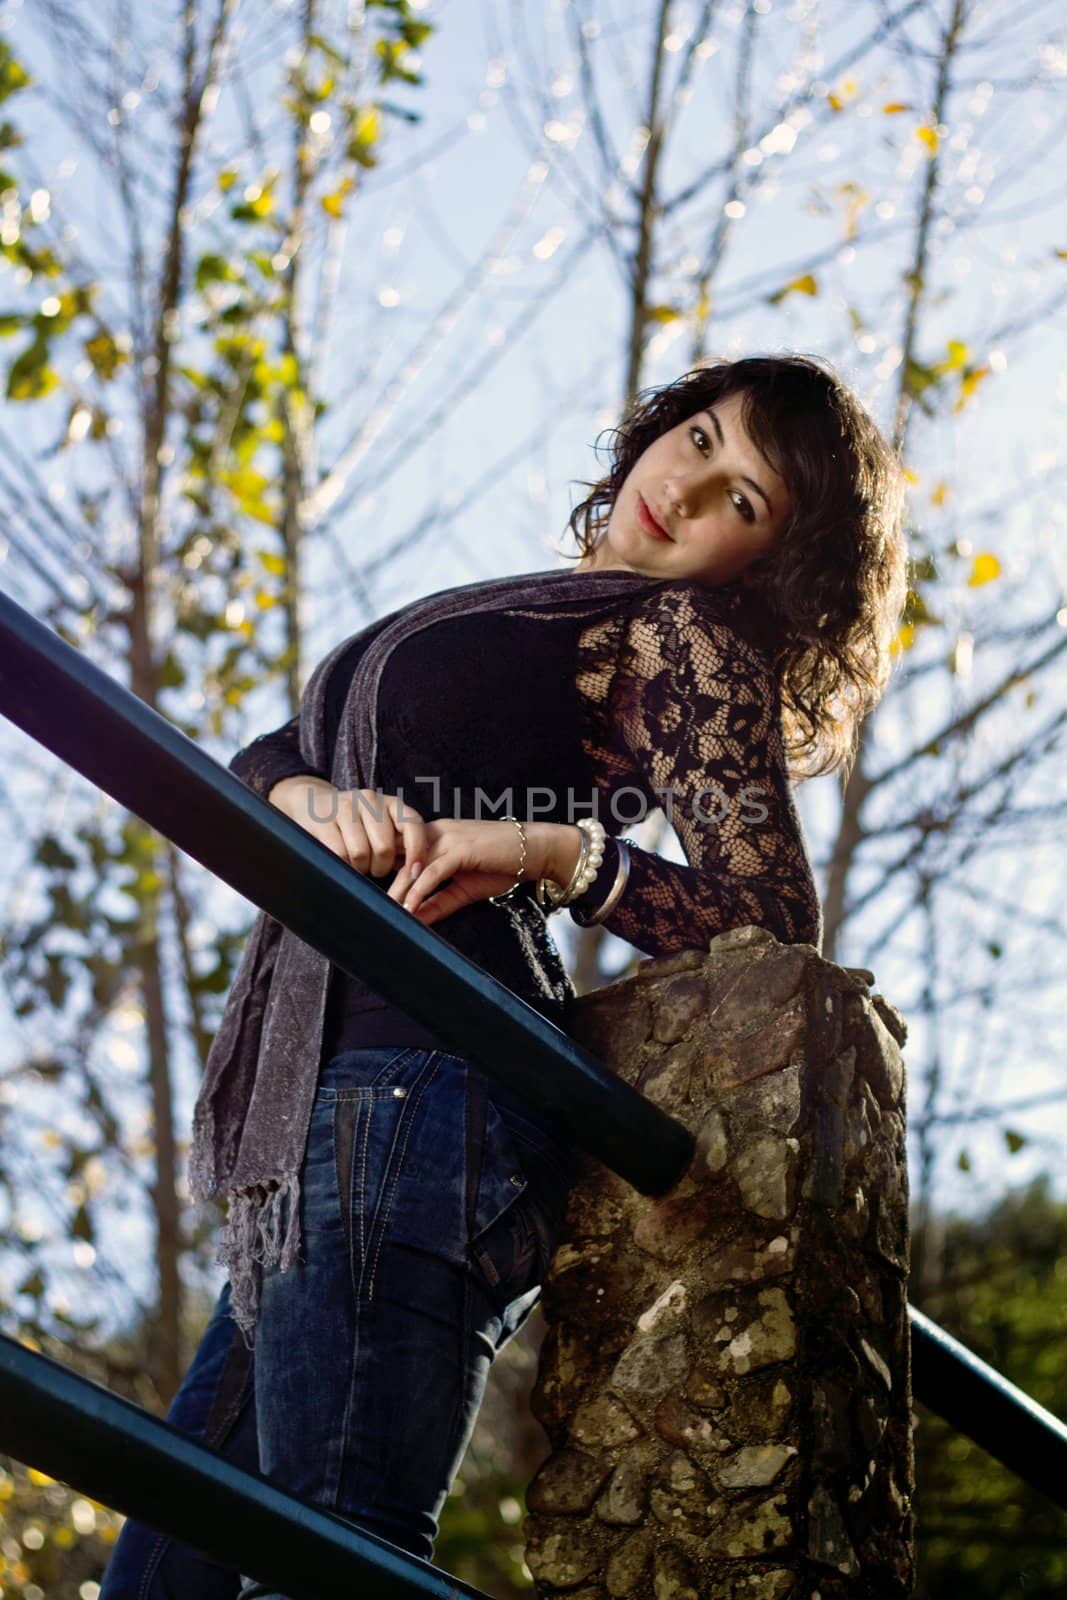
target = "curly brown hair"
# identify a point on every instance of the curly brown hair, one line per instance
(834, 587)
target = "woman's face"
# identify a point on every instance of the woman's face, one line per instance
(708, 487)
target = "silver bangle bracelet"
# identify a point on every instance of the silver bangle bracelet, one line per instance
(614, 893)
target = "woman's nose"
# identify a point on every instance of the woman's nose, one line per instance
(685, 497)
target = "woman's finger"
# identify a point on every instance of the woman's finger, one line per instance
(356, 820)
(416, 836)
(377, 812)
(439, 906)
(332, 837)
(432, 875)
(314, 805)
(349, 826)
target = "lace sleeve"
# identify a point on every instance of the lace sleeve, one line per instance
(694, 709)
(271, 757)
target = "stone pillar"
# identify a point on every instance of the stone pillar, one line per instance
(725, 1377)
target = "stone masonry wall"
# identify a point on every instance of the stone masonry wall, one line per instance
(725, 1377)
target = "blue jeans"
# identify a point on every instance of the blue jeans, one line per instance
(418, 1263)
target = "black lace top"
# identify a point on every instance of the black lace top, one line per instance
(670, 700)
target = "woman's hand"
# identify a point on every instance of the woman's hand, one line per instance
(480, 859)
(367, 829)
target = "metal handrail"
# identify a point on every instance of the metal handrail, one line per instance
(981, 1403)
(109, 1449)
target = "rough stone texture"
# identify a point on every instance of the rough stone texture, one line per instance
(725, 1377)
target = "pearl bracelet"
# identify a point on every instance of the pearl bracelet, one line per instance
(550, 896)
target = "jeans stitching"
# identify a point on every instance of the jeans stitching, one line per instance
(362, 1194)
(343, 1180)
(395, 1166)
(366, 1091)
(155, 1556)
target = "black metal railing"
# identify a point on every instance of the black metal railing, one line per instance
(121, 1456)
(980, 1402)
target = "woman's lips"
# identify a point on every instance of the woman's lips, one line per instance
(648, 522)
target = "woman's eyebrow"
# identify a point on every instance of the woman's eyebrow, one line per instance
(708, 412)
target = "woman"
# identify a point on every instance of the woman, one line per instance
(392, 1211)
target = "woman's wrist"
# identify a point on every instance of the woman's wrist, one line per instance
(554, 849)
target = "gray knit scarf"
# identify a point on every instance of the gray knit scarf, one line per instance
(252, 1114)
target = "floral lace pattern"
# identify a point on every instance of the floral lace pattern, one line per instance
(682, 705)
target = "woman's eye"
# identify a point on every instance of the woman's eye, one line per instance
(744, 508)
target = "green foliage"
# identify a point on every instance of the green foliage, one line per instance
(480, 1539)
(1003, 1293)
(13, 77)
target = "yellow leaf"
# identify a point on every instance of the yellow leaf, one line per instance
(264, 600)
(51, 1139)
(986, 567)
(41, 1480)
(245, 481)
(663, 313)
(260, 511)
(896, 105)
(846, 90)
(365, 130)
(958, 353)
(940, 494)
(105, 355)
(332, 203)
(969, 383)
(912, 477)
(227, 178)
(904, 639)
(929, 137)
(805, 285)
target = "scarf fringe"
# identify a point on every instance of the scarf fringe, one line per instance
(262, 1229)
